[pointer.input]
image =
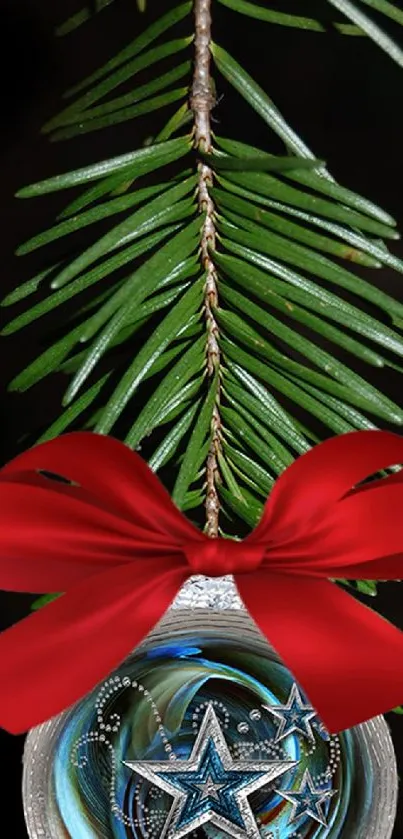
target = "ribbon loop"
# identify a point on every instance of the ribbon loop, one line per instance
(218, 557)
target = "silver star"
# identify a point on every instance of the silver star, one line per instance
(307, 800)
(294, 716)
(227, 806)
(209, 789)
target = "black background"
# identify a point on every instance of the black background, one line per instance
(341, 95)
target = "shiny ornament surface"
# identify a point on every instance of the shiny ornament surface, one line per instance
(203, 732)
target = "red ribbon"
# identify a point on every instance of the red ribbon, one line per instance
(120, 550)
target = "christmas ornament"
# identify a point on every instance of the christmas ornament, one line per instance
(203, 732)
(114, 542)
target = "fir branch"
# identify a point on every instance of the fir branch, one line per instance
(216, 281)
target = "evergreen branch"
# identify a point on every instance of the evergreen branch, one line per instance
(216, 283)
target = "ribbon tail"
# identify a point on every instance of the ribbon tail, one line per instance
(346, 658)
(56, 656)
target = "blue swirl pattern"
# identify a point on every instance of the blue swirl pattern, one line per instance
(152, 708)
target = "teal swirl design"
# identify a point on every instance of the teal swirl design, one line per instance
(151, 709)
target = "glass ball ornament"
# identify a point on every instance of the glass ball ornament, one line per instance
(203, 732)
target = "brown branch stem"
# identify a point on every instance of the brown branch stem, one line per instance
(201, 102)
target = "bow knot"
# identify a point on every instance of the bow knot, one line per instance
(218, 557)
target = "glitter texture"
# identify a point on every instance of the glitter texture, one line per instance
(216, 593)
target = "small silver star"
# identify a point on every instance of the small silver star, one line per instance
(209, 789)
(294, 716)
(210, 786)
(307, 800)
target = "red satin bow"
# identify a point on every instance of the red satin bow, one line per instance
(120, 549)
